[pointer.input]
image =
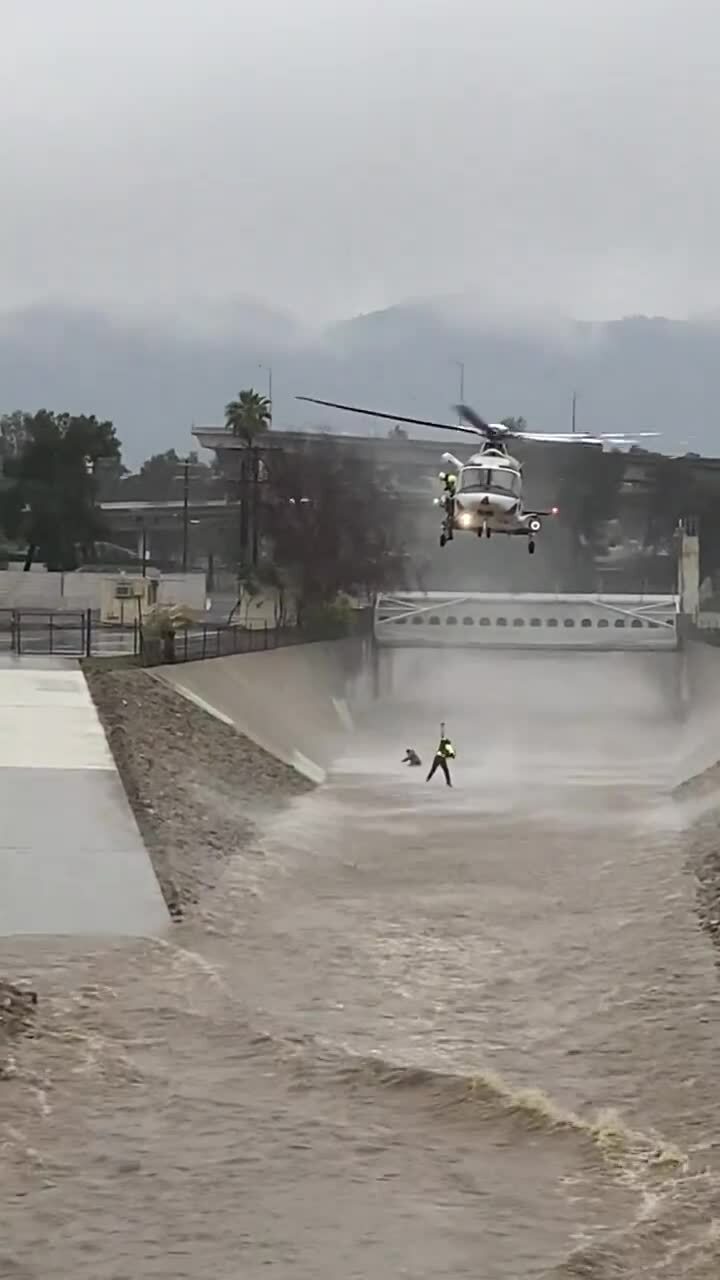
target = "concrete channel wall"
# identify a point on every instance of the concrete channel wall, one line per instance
(699, 727)
(297, 703)
(300, 703)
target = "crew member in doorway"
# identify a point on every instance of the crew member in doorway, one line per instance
(445, 751)
(450, 487)
(411, 757)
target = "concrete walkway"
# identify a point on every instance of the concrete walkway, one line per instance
(72, 860)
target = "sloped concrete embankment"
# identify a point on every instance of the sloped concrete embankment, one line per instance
(297, 703)
(699, 735)
(698, 770)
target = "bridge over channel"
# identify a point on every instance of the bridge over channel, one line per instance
(527, 621)
(542, 620)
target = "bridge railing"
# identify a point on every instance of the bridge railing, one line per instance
(527, 621)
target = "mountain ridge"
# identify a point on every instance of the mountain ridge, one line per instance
(157, 374)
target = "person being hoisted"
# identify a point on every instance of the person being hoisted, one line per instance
(445, 751)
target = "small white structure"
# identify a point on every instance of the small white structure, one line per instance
(126, 599)
(78, 592)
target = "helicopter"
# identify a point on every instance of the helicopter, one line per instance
(483, 495)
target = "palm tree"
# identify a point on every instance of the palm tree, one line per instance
(248, 416)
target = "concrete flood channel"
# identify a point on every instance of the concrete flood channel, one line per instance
(398, 1030)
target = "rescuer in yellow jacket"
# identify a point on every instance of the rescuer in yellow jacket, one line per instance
(445, 751)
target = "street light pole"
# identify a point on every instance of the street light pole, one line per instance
(186, 505)
(461, 368)
(268, 369)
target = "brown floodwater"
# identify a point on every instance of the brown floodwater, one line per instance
(415, 1032)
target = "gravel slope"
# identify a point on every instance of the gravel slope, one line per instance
(197, 787)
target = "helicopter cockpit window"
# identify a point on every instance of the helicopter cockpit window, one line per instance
(498, 478)
(506, 481)
(473, 478)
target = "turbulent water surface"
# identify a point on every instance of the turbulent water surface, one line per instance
(421, 1032)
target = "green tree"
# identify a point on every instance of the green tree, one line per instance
(12, 434)
(588, 497)
(671, 492)
(49, 499)
(248, 416)
(160, 476)
(110, 474)
(678, 488)
(333, 522)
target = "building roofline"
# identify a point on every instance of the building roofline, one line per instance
(171, 504)
(218, 438)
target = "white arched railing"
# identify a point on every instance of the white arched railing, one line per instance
(527, 621)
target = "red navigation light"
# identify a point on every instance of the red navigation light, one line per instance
(555, 511)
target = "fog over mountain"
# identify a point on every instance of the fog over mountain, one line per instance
(178, 173)
(155, 374)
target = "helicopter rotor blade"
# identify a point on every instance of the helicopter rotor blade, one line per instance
(392, 417)
(469, 415)
(474, 425)
(567, 437)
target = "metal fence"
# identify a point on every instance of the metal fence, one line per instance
(66, 634)
(80, 635)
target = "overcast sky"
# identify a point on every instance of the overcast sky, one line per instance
(333, 156)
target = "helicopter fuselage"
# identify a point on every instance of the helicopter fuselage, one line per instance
(484, 496)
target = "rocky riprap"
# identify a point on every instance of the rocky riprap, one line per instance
(17, 1011)
(197, 787)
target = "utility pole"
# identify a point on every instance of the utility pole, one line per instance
(461, 369)
(255, 472)
(255, 476)
(268, 368)
(187, 463)
(574, 407)
(186, 512)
